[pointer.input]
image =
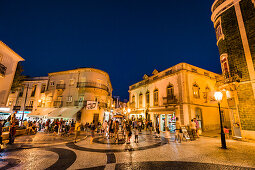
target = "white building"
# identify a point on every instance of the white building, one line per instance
(28, 97)
(8, 63)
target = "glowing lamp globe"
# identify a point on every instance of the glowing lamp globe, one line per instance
(218, 96)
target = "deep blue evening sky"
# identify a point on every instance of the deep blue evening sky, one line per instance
(126, 38)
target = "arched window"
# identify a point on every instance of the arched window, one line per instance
(155, 97)
(225, 65)
(170, 91)
(140, 100)
(133, 99)
(196, 91)
(147, 98)
(206, 94)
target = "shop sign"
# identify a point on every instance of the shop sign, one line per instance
(91, 105)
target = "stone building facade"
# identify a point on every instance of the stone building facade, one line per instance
(8, 64)
(183, 91)
(29, 97)
(84, 93)
(234, 22)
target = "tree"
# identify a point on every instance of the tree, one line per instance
(18, 78)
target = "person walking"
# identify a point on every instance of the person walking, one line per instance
(193, 128)
(178, 131)
(157, 131)
(136, 134)
(77, 130)
(1, 139)
(167, 135)
(129, 132)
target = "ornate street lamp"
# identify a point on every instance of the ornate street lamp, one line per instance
(218, 96)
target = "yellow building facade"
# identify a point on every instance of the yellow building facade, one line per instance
(183, 91)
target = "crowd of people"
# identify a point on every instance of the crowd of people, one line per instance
(116, 129)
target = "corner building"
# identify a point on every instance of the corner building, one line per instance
(183, 91)
(234, 23)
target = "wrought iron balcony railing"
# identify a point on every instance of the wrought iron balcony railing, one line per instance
(61, 86)
(29, 108)
(169, 100)
(57, 103)
(2, 70)
(80, 103)
(15, 108)
(92, 85)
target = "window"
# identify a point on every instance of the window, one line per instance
(31, 103)
(71, 82)
(69, 99)
(52, 83)
(140, 100)
(147, 98)
(33, 91)
(21, 91)
(218, 30)
(196, 91)
(206, 94)
(133, 99)
(170, 91)
(155, 97)
(43, 88)
(224, 65)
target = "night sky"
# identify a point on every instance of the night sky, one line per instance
(126, 38)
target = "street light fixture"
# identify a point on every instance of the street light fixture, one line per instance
(218, 96)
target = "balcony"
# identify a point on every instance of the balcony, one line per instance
(29, 108)
(61, 86)
(16, 108)
(132, 105)
(102, 105)
(80, 103)
(57, 104)
(169, 100)
(69, 103)
(92, 85)
(2, 70)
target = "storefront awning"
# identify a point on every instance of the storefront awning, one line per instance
(65, 112)
(41, 112)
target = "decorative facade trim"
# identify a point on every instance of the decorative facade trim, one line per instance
(219, 31)
(245, 43)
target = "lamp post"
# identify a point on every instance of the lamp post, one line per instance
(218, 96)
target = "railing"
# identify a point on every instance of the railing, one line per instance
(169, 100)
(29, 108)
(92, 85)
(57, 103)
(132, 105)
(16, 108)
(80, 103)
(69, 103)
(2, 70)
(102, 105)
(61, 86)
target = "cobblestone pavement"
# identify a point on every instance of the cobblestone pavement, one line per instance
(44, 151)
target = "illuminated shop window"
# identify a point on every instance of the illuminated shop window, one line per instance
(155, 97)
(196, 91)
(225, 65)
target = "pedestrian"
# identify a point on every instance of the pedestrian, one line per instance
(92, 128)
(197, 127)
(226, 132)
(157, 131)
(178, 131)
(104, 128)
(77, 130)
(129, 132)
(55, 129)
(12, 132)
(167, 135)
(193, 128)
(136, 134)
(116, 131)
(1, 139)
(140, 126)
